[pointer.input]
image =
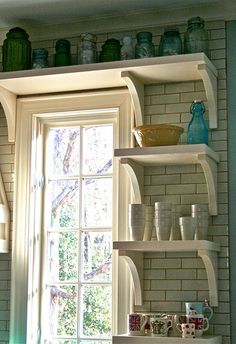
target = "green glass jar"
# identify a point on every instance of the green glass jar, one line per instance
(16, 50)
(63, 54)
(195, 38)
(111, 50)
(170, 43)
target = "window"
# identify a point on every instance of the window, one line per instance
(65, 283)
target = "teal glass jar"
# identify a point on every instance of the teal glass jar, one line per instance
(127, 49)
(39, 58)
(144, 47)
(197, 129)
(63, 54)
(171, 43)
(195, 38)
(111, 51)
(16, 50)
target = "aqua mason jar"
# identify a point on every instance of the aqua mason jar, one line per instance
(39, 58)
(171, 43)
(144, 47)
(195, 38)
(127, 49)
(197, 129)
(16, 50)
(87, 50)
(63, 54)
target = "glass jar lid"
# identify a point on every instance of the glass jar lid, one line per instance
(17, 32)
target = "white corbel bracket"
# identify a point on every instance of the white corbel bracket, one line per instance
(135, 264)
(210, 171)
(210, 261)
(210, 83)
(136, 90)
(135, 172)
(8, 101)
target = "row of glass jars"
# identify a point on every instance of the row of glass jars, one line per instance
(17, 47)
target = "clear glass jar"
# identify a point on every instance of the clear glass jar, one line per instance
(127, 49)
(197, 129)
(195, 38)
(87, 51)
(144, 47)
(16, 50)
(171, 43)
(40, 58)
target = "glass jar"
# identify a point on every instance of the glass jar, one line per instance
(40, 58)
(144, 47)
(16, 50)
(195, 38)
(111, 50)
(127, 49)
(87, 52)
(170, 43)
(63, 55)
(197, 129)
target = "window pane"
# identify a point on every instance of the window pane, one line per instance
(63, 256)
(97, 149)
(64, 203)
(97, 250)
(64, 151)
(97, 202)
(97, 311)
(60, 319)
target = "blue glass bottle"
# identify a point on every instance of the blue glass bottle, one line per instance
(197, 128)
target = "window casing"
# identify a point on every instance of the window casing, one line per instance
(33, 114)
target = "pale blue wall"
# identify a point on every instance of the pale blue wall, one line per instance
(231, 84)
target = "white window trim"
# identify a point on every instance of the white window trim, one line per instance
(29, 111)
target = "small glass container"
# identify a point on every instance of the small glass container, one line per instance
(40, 58)
(144, 47)
(127, 49)
(170, 43)
(63, 55)
(87, 51)
(197, 129)
(16, 50)
(110, 50)
(195, 38)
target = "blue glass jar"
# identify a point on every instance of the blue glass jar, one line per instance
(127, 49)
(40, 58)
(144, 47)
(195, 38)
(197, 129)
(171, 43)
(87, 51)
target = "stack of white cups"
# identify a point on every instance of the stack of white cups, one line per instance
(163, 220)
(136, 221)
(148, 223)
(200, 212)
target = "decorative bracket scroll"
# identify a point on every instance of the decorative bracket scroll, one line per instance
(135, 263)
(8, 101)
(136, 90)
(210, 84)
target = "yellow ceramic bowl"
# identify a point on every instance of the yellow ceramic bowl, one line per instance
(157, 134)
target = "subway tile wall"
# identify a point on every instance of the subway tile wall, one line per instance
(169, 279)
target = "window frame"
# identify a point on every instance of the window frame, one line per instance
(28, 190)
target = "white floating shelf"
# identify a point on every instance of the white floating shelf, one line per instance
(134, 159)
(132, 251)
(125, 339)
(133, 74)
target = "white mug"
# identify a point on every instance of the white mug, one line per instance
(136, 324)
(201, 324)
(160, 326)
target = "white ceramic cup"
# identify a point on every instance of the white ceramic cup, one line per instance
(160, 326)
(187, 330)
(137, 323)
(200, 322)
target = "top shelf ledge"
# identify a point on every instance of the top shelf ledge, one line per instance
(133, 74)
